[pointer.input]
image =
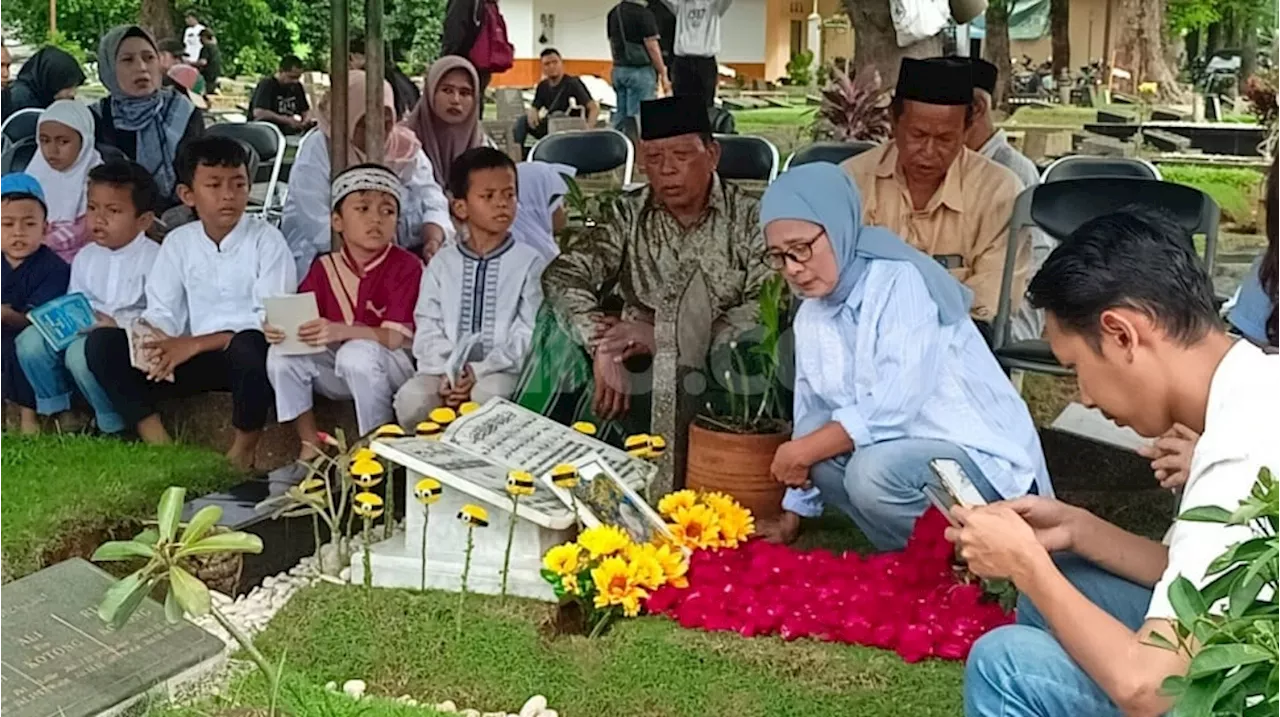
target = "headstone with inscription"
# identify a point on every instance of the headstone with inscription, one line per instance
(60, 659)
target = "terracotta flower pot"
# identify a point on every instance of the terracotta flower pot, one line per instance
(737, 464)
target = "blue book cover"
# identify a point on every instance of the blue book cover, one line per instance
(61, 320)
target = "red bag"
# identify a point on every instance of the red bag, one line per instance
(492, 52)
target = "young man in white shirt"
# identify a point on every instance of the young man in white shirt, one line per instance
(111, 272)
(191, 37)
(1130, 308)
(204, 304)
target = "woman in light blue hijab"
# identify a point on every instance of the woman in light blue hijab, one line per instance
(140, 117)
(891, 373)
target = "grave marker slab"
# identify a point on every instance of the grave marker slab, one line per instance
(61, 660)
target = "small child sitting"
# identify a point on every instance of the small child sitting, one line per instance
(62, 167)
(487, 285)
(112, 274)
(204, 308)
(366, 294)
(30, 275)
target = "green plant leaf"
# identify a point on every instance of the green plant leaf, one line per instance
(169, 511)
(201, 522)
(172, 610)
(1234, 680)
(122, 550)
(234, 542)
(1265, 565)
(1206, 514)
(1223, 658)
(121, 599)
(150, 536)
(1242, 596)
(1158, 640)
(1186, 601)
(1196, 699)
(1247, 512)
(190, 593)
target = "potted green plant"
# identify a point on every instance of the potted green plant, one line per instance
(732, 442)
(1228, 627)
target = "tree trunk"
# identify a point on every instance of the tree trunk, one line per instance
(876, 42)
(1060, 24)
(1141, 48)
(1213, 39)
(156, 16)
(995, 49)
(1248, 53)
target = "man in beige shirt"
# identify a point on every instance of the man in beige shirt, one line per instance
(942, 198)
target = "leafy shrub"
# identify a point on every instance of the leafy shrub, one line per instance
(800, 69)
(853, 108)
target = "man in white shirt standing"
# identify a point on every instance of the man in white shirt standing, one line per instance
(694, 70)
(191, 37)
(1130, 308)
(205, 306)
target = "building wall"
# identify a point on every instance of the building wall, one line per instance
(1088, 27)
(577, 29)
(778, 33)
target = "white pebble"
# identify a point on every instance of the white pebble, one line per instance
(354, 688)
(548, 713)
(536, 704)
(494, 714)
(331, 686)
(446, 706)
(468, 712)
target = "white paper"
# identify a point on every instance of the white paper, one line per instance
(956, 482)
(289, 312)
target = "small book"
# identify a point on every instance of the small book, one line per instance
(61, 320)
(460, 356)
(139, 333)
(288, 313)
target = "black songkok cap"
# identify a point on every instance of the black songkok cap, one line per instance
(674, 116)
(935, 81)
(985, 75)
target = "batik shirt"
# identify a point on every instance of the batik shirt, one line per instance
(645, 257)
(381, 294)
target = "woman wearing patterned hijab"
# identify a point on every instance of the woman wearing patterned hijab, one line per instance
(140, 118)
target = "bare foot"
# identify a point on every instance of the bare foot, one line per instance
(29, 422)
(783, 530)
(240, 460)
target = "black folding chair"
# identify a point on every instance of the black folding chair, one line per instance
(20, 125)
(590, 151)
(268, 144)
(833, 152)
(1059, 208)
(18, 155)
(1081, 166)
(744, 156)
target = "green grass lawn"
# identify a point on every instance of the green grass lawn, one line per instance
(403, 642)
(63, 488)
(1235, 189)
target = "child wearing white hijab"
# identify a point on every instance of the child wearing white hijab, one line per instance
(540, 210)
(67, 153)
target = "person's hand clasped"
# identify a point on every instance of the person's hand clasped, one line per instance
(167, 354)
(454, 395)
(1170, 456)
(625, 339)
(612, 398)
(432, 240)
(319, 332)
(273, 334)
(995, 541)
(790, 465)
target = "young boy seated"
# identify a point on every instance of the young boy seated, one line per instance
(484, 290)
(203, 319)
(365, 293)
(31, 275)
(112, 274)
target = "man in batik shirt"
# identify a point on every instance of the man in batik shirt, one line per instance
(681, 253)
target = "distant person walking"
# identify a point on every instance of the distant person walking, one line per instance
(476, 30)
(638, 65)
(210, 62)
(694, 70)
(191, 37)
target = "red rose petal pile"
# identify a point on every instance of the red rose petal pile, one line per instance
(908, 601)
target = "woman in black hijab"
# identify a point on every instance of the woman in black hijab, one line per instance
(48, 75)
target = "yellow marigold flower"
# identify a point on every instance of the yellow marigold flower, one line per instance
(468, 407)
(427, 491)
(604, 540)
(474, 515)
(443, 415)
(586, 428)
(364, 453)
(366, 473)
(645, 565)
(564, 475)
(736, 525)
(672, 502)
(674, 565)
(367, 505)
(389, 430)
(564, 559)
(520, 483)
(428, 429)
(616, 584)
(697, 526)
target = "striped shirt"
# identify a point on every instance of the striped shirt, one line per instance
(885, 368)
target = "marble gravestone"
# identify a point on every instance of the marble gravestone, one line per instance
(61, 660)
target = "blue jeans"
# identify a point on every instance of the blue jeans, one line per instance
(880, 486)
(1021, 670)
(51, 375)
(633, 85)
